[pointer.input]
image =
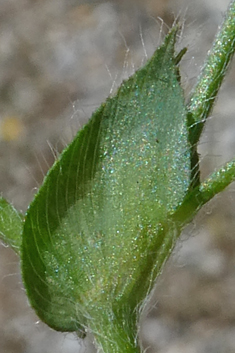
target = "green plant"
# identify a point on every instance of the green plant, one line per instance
(112, 207)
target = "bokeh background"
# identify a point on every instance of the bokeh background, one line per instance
(58, 60)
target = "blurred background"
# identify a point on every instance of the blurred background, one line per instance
(59, 59)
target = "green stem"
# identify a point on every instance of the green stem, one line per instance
(115, 333)
(203, 193)
(212, 75)
(217, 182)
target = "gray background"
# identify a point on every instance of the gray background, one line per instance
(58, 61)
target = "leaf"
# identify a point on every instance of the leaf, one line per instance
(98, 232)
(11, 225)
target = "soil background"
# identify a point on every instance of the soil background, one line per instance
(59, 59)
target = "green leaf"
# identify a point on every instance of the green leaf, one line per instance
(11, 225)
(98, 232)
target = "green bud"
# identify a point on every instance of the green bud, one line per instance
(98, 231)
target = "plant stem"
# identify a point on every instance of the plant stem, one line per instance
(115, 333)
(217, 182)
(210, 187)
(212, 75)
